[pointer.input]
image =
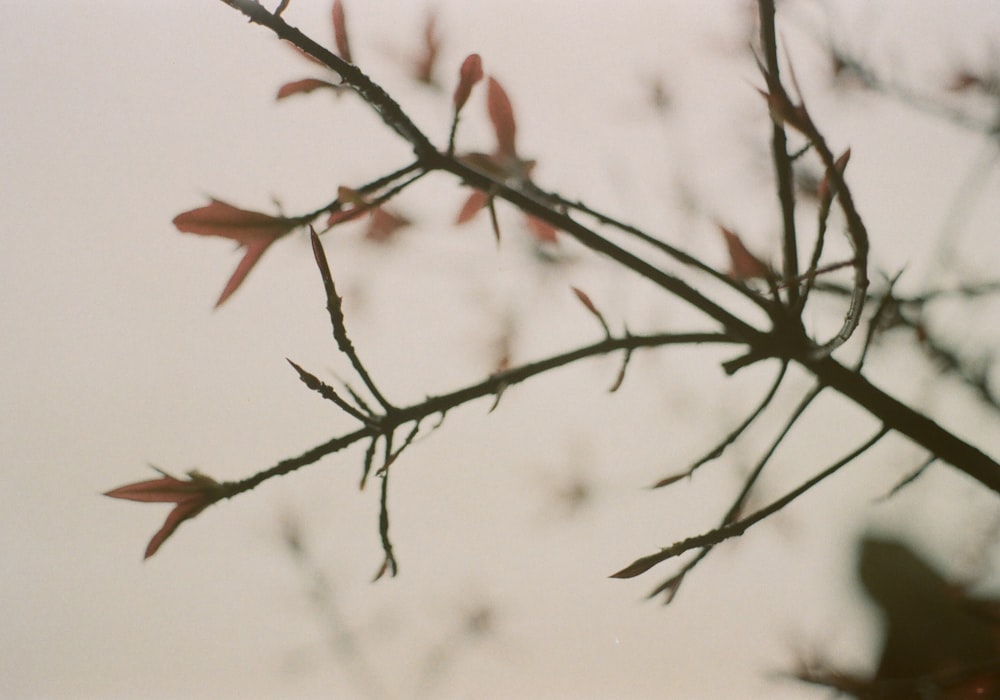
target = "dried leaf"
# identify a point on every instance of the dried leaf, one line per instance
(502, 115)
(351, 196)
(470, 74)
(358, 206)
(743, 264)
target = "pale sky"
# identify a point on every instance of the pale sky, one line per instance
(118, 115)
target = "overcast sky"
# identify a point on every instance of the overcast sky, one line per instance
(118, 115)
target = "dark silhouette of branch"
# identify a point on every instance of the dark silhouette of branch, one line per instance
(784, 339)
(731, 437)
(779, 153)
(736, 528)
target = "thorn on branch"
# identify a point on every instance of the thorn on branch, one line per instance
(626, 359)
(909, 479)
(585, 300)
(369, 459)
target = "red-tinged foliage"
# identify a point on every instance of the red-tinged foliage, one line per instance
(191, 496)
(426, 62)
(253, 230)
(585, 300)
(304, 87)
(476, 201)
(470, 74)
(502, 115)
(743, 265)
(344, 215)
(543, 231)
(340, 32)
(384, 224)
(504, 163)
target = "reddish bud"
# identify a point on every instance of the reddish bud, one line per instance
(470, 74)
(743, 264)
(191, 496)
(502, 115)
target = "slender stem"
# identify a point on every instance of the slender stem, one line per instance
(443, 403)
(779, 153)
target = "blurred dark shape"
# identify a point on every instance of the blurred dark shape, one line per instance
(939, 643)
(929, 626)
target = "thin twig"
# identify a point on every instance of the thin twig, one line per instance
(714, 537)
(779, 152)
(335, 307)
(330, 394)
(730, 438)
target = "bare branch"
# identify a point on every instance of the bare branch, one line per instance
(729, 439)
(335, 307)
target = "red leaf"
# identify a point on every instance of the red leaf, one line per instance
(223, 219)
(502, 115)
(344, 215)
(304, 86)
(585, 300)
(252, 230)
(423, 69)
(470, 74)
(476, 201)
(340, 31)
(743, 265)
(543, 231)
(191, 496)
(384, 224)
